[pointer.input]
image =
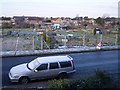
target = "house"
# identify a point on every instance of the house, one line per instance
(90, 20)
(46, 24)
(19, 18)
(57, 20)
(5, 20)
(34, 20)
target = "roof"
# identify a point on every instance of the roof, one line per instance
(36, 18)
(5, 18)
(54, 59)
(54, 19)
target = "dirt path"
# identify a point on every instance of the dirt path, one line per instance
(10, 44)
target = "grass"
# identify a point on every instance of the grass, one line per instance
(76, 40)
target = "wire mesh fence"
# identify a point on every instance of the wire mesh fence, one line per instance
(29, 40)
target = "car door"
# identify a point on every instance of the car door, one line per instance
(41, 71)
(53, 69)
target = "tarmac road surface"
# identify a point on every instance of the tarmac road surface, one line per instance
(85, 63)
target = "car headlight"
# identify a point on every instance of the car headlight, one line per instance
(15, 76)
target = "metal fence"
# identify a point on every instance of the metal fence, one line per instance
(29, 40)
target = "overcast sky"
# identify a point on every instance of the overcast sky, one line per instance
(59, 8)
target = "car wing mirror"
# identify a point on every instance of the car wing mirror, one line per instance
(35, 70)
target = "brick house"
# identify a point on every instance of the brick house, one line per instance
(57, 20)
(34, 20)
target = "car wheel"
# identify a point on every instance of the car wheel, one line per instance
(62, 76)
(24, 80)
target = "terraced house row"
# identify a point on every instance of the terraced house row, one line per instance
(52, 23)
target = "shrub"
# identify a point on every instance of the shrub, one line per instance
(105, 80)
(100, 80)
(59, 84)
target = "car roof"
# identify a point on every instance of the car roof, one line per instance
(50, 59)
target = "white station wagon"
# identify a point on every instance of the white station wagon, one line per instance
(42, 68)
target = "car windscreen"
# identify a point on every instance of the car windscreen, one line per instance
(33, 64)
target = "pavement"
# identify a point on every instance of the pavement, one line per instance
(55, 51)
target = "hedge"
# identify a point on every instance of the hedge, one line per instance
(100, 80)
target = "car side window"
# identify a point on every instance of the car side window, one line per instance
(42, 67)
(54, 65)
(65, 64)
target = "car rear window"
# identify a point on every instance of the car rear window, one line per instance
(65, 64)
(54, 65)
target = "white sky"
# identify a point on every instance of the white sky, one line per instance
(59, 8)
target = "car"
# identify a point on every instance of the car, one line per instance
(62, 47)
(43, 68)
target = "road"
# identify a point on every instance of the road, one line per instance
(85, 63)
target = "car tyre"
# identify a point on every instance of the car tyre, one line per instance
(24, 80)
(62, 76)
